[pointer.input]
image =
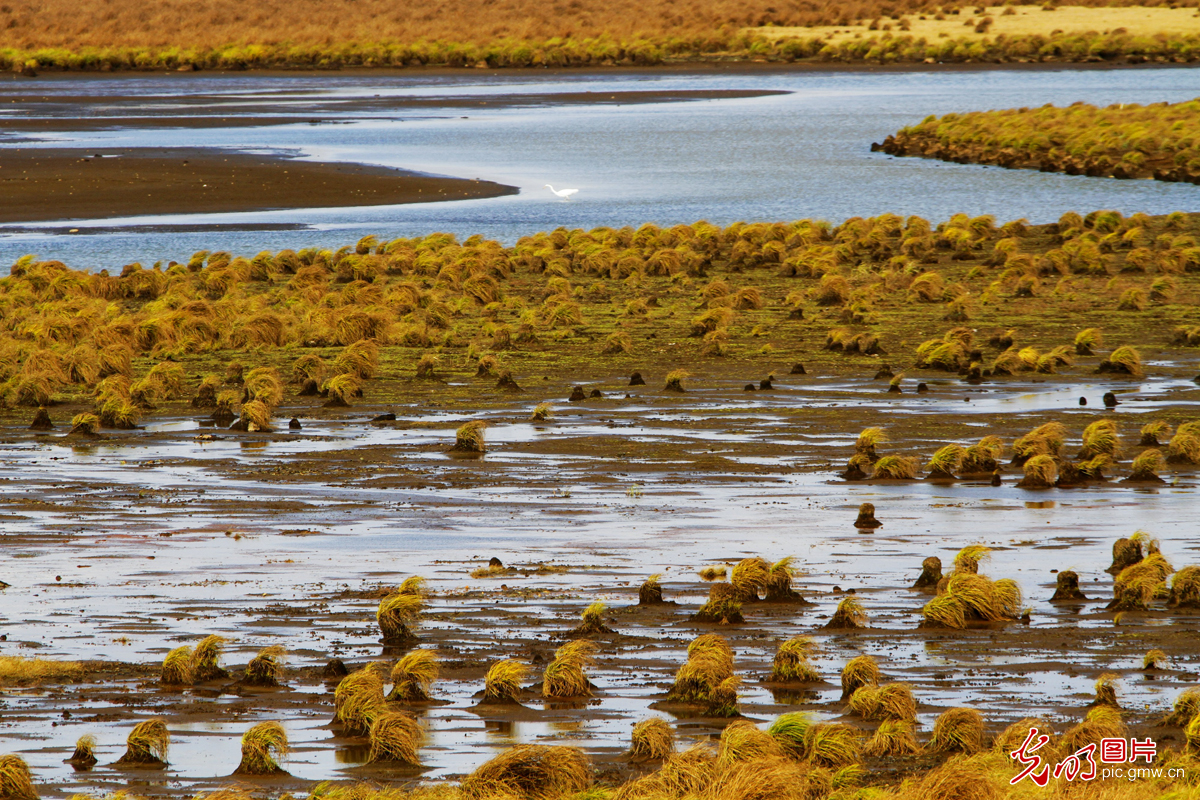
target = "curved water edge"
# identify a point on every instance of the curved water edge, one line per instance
(780, 157)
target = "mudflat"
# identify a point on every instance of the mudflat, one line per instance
(51, 184)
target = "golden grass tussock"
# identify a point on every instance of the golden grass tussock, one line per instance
(722, 606)
(147, 744)
(397, 615)
(263, 747)
(541, 412)
(565, 677)
(396, 737)
(742, 740)
(413, 675)
(468, 439)
(1106, 690)
(1139, 583)
(967, 597)
(709, 665)
(1185, 709)
(893, 738)
(532, 771)
(652, 739)
(206, 659)
(850, 614)
(858, 672)
(897, 468)
(1101, 722)
(358, 700)
(84, 754)
(177, 667)
(749, 578)
(265, 668)
(891, 701)
(791, 662)
(16, 781)
(502, 684)
(957, 730)
(22, 671)
(650, 592)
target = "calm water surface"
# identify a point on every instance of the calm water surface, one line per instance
(801, 154)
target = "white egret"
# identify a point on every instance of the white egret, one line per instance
(565, 194)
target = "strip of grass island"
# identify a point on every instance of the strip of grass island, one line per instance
(58, 35)
(1159, 141)
(243, 337)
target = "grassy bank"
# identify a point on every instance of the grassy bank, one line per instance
(242, 333)
(1127, 141)
(121, 35)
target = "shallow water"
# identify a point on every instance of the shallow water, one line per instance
(159, 538)
(781, 157)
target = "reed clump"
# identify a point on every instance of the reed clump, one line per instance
(653, 739)
(531, 771)
(502, 684)
(147, 745)
(791, 662)
(263, 747)
(413, 675)
(565, 677)
(16, 781)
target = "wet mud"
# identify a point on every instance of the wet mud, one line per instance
(122, 547)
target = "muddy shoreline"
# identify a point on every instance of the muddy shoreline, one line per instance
(41, 184)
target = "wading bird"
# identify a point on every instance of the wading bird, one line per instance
(565, 194)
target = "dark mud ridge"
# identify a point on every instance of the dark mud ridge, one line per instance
(40, 184)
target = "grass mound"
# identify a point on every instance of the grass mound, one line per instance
(533, 771)
(263, 746)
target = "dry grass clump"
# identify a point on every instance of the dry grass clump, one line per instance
(1041, 472)
(396, 737)
(749, 578)
(946, 461)
(1154, 659)
(564, 677)
(1136, 585)
(413, 675)
(1045, 439)
(397, 614)
(791, 664)
(653, 739)
(84, 754)
(967, 597)
(1125, 360)
(868, 440)
(1184, 447)
(1100, 438)
(722, 606)
(263, 747)
(265, 668)
(859, 671)
(1185, 588)
(891, 701)
(1106, 690)
(1146, 465)
(897, 468)
(1154, 433)
(468, 439)
(707, 677)
(1186, 708)
(591, 621)
(893, 738)
(541, 412)
(957, 730)
(21, 671)
(147, 745)
(1101, 722)
(16, 781)
(713, 573)
(850, 614)
(358, 700)
(177, 667)
(675, 379)
(650, 592)
(206, 659)
(502, 684)
(533, 771)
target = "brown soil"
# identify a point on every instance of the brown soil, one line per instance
(40, 184)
